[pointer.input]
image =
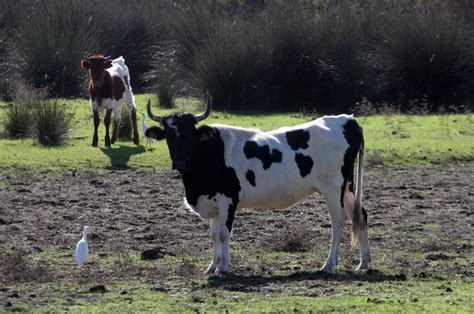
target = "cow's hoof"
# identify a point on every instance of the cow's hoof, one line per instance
(331, 269)
(94, 144)
(210, 270)
(362, 266)
(221, 271)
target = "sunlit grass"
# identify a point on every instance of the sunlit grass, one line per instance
(395, 139)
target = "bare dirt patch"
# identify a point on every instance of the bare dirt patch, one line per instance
(420, 226)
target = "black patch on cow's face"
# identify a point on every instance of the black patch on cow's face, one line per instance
(252, 150)
(250, 175)
(305, 164)
(354, 137)
(297, 139)
(182, 138)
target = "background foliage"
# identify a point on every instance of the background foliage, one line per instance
(322, 55)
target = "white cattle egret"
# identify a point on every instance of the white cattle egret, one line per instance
(82, 248)
(149, 140)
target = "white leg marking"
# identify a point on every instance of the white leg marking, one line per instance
(224, 235)
(338, 219)
(216, 246)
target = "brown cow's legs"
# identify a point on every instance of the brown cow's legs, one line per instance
(135, 130)
(95, 138)
(115, 131)
(107, 125)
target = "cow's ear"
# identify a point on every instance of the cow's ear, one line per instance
(108, 63)
(205, 133)
(85, 64)
(155, 132)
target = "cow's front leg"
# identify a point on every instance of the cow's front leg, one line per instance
(95, 138)
(107, 126)
(226, 219)
(216, 246)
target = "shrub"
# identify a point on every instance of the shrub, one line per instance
(125, 127)
(54, 37)
(56, 34)
(52, 123)
(422, 55)
(166, 93)
(18, 120)
(229, 65)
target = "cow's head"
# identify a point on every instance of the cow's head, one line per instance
(96, 65)
(181, 134)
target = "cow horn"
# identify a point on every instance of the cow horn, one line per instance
(151, 115)
(206, 113)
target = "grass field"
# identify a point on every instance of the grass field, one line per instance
(418, 192)
(393, 139)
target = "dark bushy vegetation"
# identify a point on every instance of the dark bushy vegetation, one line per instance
(260, 55)
(31, 115)
(125, 127)
(18, 120)
(52, 123)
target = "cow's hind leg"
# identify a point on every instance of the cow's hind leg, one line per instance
(216, 246)
(363, 238)
(362, 234)
(338, 219)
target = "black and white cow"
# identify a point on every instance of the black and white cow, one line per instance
(225, 168)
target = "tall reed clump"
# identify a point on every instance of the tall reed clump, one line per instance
(18, 120)
(424, 55)
(231, 66)
(54, 37)
(125, 127)
(166, 93)
(53, 122)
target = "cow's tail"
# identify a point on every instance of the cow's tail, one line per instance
(359, 221)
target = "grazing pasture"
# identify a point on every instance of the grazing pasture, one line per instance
(148, 253)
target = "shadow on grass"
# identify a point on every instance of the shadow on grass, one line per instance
(119, 157)
(240, 282)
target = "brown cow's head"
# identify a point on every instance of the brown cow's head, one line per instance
(96, 65)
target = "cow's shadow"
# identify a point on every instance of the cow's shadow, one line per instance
(242, 282)
(120, 156)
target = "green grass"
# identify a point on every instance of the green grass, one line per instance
(397, 139)
(158, 287)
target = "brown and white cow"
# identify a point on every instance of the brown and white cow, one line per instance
(109, 88)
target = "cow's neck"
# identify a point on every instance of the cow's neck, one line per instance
(208, 173)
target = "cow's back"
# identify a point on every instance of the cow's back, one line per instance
(280, 167)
